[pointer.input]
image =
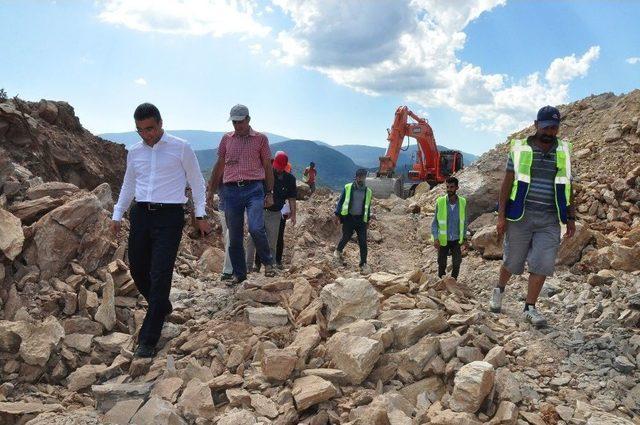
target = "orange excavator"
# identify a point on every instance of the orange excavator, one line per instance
(431, 165)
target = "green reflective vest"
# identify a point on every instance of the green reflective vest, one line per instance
(347, 201)
(443, 212)
(521, 154)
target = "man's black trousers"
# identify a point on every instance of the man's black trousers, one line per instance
(153, 245)
(453, 248)
(352, 224)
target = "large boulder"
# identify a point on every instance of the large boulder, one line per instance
(36, 341)
(348, 300)
(486, 241)
(303, 190)
(32, 210)
(211, 260)
(354, 355)
(570, 250)
(11, 235)
(77, 229)
(411, 325)
(52, 189)
(472, 384)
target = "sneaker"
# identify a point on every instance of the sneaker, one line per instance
(535, 317)
(365, 269)
(145, 351)
(226, 276)
(338, 256)
(269, 271)
(496, 300)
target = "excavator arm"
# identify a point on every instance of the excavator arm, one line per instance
(430, 165)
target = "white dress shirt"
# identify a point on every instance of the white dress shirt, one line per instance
(159, 174)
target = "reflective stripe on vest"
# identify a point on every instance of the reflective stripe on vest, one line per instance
(443, 213)
(522, 156)
(347, 200)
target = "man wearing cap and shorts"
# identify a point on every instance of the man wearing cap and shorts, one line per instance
(244, 178)
(536, 196)
(354, 211)
(309, 176)
(284, 189)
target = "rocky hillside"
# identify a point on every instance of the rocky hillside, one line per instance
(319, 343)
(46, 140)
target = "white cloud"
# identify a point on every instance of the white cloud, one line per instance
(187, 17)
(140, 81)
(633, 60)
(255, 48)
(566, 69)
(410, 48)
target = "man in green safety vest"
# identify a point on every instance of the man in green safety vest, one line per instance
(535, 197)
(449, 228)
(354, 212)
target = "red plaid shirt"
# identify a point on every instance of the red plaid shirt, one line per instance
(243, 156)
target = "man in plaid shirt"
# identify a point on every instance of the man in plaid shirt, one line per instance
(244, 178)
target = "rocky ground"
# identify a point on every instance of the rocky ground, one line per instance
(321, 343)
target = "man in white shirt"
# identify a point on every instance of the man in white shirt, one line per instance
(158, 169)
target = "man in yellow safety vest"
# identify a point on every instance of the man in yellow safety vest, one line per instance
(354, 212)
(535, 197)
(449, 228)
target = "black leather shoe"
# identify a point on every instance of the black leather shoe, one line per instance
(226, 276)
(145, 351)
(238, 279)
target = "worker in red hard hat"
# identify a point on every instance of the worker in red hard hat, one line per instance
(284, 190)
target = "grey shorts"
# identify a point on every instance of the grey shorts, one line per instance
(534, 239)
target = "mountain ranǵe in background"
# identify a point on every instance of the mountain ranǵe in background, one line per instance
(367, 156)
(334, 168)
(198, 139)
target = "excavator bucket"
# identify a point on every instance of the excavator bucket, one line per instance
(383, 187)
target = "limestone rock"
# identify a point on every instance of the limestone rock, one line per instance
(157, 412)
(472, 384)
(106, 314)
(411, 325)
(348, 300)
(211, 260)
(196, 400)
(570, 250)
(354, 355)
(278, 364)
(30, 211)
(11, 235)
(486, 241)
(107, 395)
(51, 189)
(310, 390)
(123, 411)
(267, 316)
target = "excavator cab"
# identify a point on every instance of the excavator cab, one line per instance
(450, 162)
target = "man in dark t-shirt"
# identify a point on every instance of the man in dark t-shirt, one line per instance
(284, 188)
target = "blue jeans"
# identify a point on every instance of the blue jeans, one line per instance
(236, 201)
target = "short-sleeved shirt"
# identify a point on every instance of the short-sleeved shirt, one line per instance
(311, 174)
(243, 156)
(284, 187)
(541, 196)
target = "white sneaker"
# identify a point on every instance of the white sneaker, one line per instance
(535, 317)
(496, 300)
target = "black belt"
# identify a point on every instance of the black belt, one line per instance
(151, 206)
(241, 183)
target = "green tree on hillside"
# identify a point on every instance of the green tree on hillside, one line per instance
(3, 95)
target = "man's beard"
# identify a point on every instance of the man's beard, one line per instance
(546, 138)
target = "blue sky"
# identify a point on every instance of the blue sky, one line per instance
(324, 70)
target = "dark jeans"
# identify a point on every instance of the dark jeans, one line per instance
(236, 201)
(453, 248)
(280, 244)
(154, 238)
(352, 224)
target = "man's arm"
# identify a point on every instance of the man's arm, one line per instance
(340, 202)
(127, 191)
(195, 179)
(292, 207)
(216, 176)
